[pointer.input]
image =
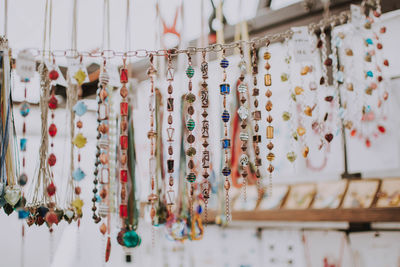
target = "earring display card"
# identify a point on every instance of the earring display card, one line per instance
(329, 194)
(327, 248)
(300, 196)
(371, 249)
(251, 200)
(274, 201)
(360, 193)
(389, 194)
(281, 248)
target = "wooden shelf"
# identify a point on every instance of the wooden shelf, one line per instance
(314, 215)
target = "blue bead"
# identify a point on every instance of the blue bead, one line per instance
(80, 108)
(24, 110)
(98, 198)
(224, 63)
(226, 143)
(23, 214)
(22, 144)
(42, 210)
(370, 74)
(225, 89)
(226, 171)
(225, 116)
(369, 41)
(199, 209)
(78, 175)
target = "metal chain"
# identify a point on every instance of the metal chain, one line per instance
(143, 53)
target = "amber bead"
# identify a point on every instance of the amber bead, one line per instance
(77, 190)
(267, 80)
(270, 168)
(268, 106)
(269, 119)
(270, 132)
(267, 55)
(268, 93)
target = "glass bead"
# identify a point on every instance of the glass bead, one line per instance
(242, 88)
(270, 132)
(340, 76)
(225, 116)
(124, 108)
(267, 80)
(103, 112)
(52, 130)
(22, 144)
(51, 189)
(370, 74)
(191, 151)
(189, 72)
(268, 106)
(243, 112)
(190, 98)
(131, 239)
(308, 111)
(225, 88)
(79, 141)
(224, 63)
(24, 109)
(170, 133)
(298, 90)
(256, 138)
(52, 160)
(381, 129)
(305, 70)
(53, 75)
(329, 137)
(123, 75)
(22, 179)
(291, 156)
(191, 177)
(123, 141)
(80, 108)
(328, 62)
(226, 143)
(123, 211)
(286, 116)
(270, 156)
(53, 102)
(226, 171)
(190, 139)
(244, 136)
(104, 175)
(257, 115)
(23, 214)
(244, 160)
(267, 55)
(170, 165)
(369, 41)
(123, 176)
(284, 77)
(190, 124)
(301, 131)
(80, 76)
(78, 174)
(305, 151)
(270, 146)
(170, 104)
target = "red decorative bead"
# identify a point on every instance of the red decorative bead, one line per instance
(51, 189)
(383, 30)
(123, 176)
(123, 211)
(53, 102)
(368, 143)
(124, 108)
(328, 62)
(353, 132)
(124, 76)
(52, 130)
(380, 78)
(52, 160)
(123, 141)
(386, 63)
(377, 14)
(51, 217)
(53, 75)
(379, 46)
(381, 129)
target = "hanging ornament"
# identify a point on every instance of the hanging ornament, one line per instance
(226, 171)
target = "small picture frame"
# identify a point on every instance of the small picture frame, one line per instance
(360, 193)
(389, 193)
(329, 194)
(300, 196)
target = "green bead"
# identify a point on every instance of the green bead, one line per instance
(131, 239)
(190, 98)
(286, 116)
(284, 77)
(191, 177)
(190, 72)
(190, 124)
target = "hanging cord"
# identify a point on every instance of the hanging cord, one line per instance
(106, 26)
(127, 27)
(5, 17)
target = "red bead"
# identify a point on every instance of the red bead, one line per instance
(353, 132)
(383, 30)
(377, 14)
(380, 78)
(51, 189)
(123, 176)
(124, 76)
(53, 102)
(52, 160)
(124, 108)
(368, 143)
(379, 46)
(123, 141)
(381, 129)
(53, 75)
(328, 62)
(52, 130)
(123, 211)
(386, 63)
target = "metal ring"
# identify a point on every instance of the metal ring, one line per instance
(141, 53)
(108, 54)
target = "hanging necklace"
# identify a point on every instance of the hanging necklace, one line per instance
(226, 142)
(170, 133)
(256, 114)
(190, 125)
(152, 135)
(205, 160)
(269, 119)
(243, 113)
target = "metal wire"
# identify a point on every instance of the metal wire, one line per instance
(333, 20)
